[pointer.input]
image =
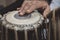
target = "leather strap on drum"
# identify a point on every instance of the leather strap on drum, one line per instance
(54, 24)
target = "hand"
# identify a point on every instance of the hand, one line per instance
(29, 6)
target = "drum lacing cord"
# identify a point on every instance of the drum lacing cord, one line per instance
(36, 34)
(47, 30)
(2, 33)
(54, 24)
(6, 34)
(26, 38)
(16, 35)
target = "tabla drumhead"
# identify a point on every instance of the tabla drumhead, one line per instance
(13, 21)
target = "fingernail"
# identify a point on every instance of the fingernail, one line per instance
(21, 14)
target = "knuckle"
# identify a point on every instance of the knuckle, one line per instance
(28, 11)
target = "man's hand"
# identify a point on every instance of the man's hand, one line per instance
(29, 6)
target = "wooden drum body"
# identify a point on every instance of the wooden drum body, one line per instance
(55, 24)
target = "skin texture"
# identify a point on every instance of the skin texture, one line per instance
(29, 6)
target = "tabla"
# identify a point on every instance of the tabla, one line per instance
(17, 27)
(55, 24)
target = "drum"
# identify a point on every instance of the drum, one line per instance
(55, 24)
(16, 27)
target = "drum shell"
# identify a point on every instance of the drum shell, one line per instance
(12, 31)
(31, 34)
(55, 24)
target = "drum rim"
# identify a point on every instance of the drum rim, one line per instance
(13, 26)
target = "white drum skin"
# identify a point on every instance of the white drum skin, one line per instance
(9, 20)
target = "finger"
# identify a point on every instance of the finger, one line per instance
(23, 5)
(32, 8)
(26, 7)
(46, 11)
(44, 15)
(24, 10)
(22, 13)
